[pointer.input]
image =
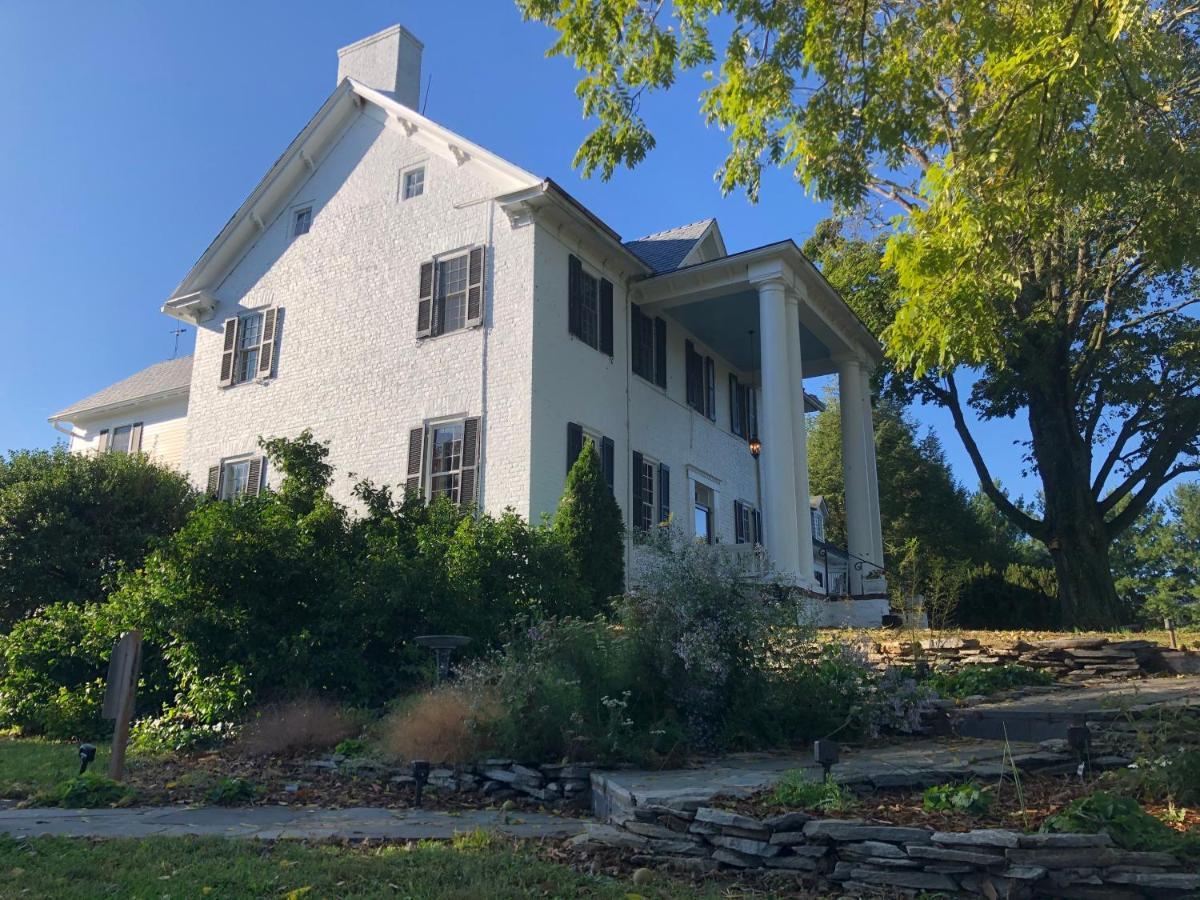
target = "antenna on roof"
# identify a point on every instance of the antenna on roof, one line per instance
(425, 97)
(177, 332)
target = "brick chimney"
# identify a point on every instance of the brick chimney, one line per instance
(387, 61)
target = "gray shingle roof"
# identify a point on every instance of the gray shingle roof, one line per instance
(665, 250)
(160, 378)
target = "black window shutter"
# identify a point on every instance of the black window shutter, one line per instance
(640, 520)
(664, 492)
(636, 364)
(214, 481)
(735, 406)
(756, 525)
(475, 287)
(739, 535)
(660, 352)
(254, 478)
(575, 296)
(416, 441)
(425, 301)
(689, 373)
(608, 462)
(266, 351)
(606, 317)
(574, 443)
(228, 351)
(751, 413)
(468, 493)
(710, 388)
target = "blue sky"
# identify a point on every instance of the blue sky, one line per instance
(134, 130)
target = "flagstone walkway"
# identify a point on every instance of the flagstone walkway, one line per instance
(273, 822)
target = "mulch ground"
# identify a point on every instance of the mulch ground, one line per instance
(188, 779)
(1040, 798)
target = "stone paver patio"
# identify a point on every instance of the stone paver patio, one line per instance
(270, 823)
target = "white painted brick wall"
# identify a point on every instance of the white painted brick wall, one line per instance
(349, 364)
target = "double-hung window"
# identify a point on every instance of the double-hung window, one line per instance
(122, 439)
(651, 492)
(236, 477)
(301, 221)
(445, 461)
(589, 306)
(743, 409)
(648, 353)
(747, 523)
(700, 374)
(248, 351)
(413, 184)
(451, 293)
(703, 502)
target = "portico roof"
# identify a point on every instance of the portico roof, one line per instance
(718, 302)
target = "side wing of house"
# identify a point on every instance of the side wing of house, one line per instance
(371, 291)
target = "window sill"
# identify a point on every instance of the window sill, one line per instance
(466, 329)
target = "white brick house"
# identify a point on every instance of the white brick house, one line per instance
(448, 320)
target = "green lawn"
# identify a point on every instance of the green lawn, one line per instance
(28, 765)
(471, 867)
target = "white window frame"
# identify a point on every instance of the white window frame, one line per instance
(818, 524)
(439, 296)
(241, 351)
(224, 492)
(427, 473)
(112, 433)
(748, 510)
(402, 189)
(713, 485)
(650, 464)
(294, 213)
(593, 321)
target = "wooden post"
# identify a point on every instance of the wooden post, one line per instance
(120, 694)
(1170, 623)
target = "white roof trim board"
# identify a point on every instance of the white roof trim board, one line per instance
(160, 381)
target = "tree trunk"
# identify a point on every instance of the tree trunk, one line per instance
(1076, 535)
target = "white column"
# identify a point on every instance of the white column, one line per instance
(873, 475)
(799, 442)
(862, 515)
(778, 458)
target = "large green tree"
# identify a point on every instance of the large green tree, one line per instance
(1042, 163)
(1157, 560)
(918, 497)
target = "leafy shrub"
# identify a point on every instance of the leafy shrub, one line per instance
(1123, 818)
(232, 791)
(305, 724)
(176, 732)
(799, 789)
(69, 522)
(91, 790)
(448, 724)
(590, 526)
(351, 748)
(968, 798)
(1020, 596)
(973, 680)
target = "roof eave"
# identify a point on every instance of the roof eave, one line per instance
(72, 415)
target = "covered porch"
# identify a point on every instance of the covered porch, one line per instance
(774, 317)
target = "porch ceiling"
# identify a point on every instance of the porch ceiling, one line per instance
(724, 324)
(718, 301)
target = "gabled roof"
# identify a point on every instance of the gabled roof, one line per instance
(664, 251)
(157, 382)
(307, 150)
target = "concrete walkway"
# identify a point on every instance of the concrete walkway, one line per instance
(272, 822)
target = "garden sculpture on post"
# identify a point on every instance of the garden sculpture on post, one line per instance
(1036, 171)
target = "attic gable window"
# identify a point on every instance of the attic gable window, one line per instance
(413, 183)
(301, 221)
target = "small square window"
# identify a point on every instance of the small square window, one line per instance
(301, 221)
(414, 183)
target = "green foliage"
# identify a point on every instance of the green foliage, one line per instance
(590, 526)
(233, 791)
(968, 798)
(1015, 596)
(31, 765)
(91, 790)
(1122, 818)
(1157, 561)
(976, 680)
(797, 788)
(69, 523)
(1039, 162)
(918, 496)
(351, 747)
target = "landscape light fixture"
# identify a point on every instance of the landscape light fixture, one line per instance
(826, 753)
(420, 774)
(87, 755)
